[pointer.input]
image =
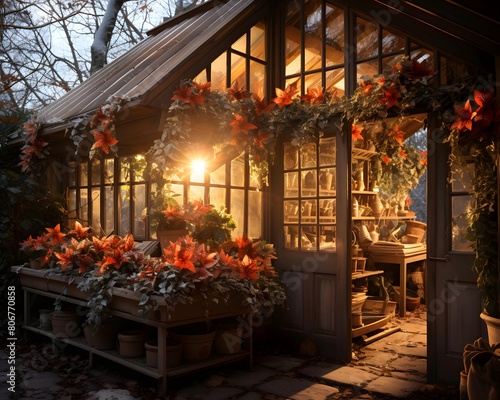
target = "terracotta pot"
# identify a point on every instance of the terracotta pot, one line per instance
(228, 341)
(173, 349)
(493, 328)
(412, 300)
(463, 386)
(196, 346)
(46, 319)
(131, 343)
(103, 338)
(416, 228)
(66, 324)
(167, 236)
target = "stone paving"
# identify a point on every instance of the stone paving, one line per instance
(390, 368)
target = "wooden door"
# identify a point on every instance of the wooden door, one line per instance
(453, 299)
(310, 216)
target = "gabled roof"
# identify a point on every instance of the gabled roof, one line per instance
(182, 46)
(171, 52)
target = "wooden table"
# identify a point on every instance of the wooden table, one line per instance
(403, 259)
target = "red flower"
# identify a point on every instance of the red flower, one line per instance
(417, 70)
(79, 231)
(103, 140)
(241, 125)
(261, 138)
(65, 258)
(464, 117)
(403, 154)
(423, 155)
(391, 96)
(183, 257)
(486, 109)
(284, 97)
(398, 135)
(314, 96)
(356, 133)
(238, 93)
(187, 94)
(366, 87)
(386, 159)
(203, 87)
(260, 105)
(55, 234)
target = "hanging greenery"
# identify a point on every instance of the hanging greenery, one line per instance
(246, 122)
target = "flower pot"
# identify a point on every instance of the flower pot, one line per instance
(228, 341)
(412, 300)
(66, 324)
(357, 319)
(167, 236)
(173, 349)
(46, 319)
(493, 328)
(103, 338)
(416, 228)
(463, 386)
(131, 343)
(197, 345)
(36, 264)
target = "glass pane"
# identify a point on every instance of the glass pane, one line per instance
(84, 174)
(218, 73)
(308, 182)
(291, 237)
(238, 71)
(109, 170)
(238, 171)
(291, 156)
(196, 193)
(308, 209)
(257, 78)
(313, 36)
(177, 192)
(217, 197)
(138, 165)
(124, 210)
(327, 181)
(96, 172)
(96, 210)
(241, 44)
(334, 35)
(391, 42)
(366, 39)
(255, 214)
(125, 169)
(110, 210)
(327, 238)
(291, 184)
(462, 177)
(460, 206)
(389, 62)
(72, 174)
(308, 155)
(238, 211)
(202, 77)
(368, 68)
(218, 177)
(72, 203)
(292, 51)
(422, 55)
(198, 172)
(84, 207)
(327, 152)
(308, 237)
(258, 41)
(327, 210)
(313, 81)
(139, 205)
(291, 211)
(335, 82)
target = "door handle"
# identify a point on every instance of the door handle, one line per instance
(440, 259)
